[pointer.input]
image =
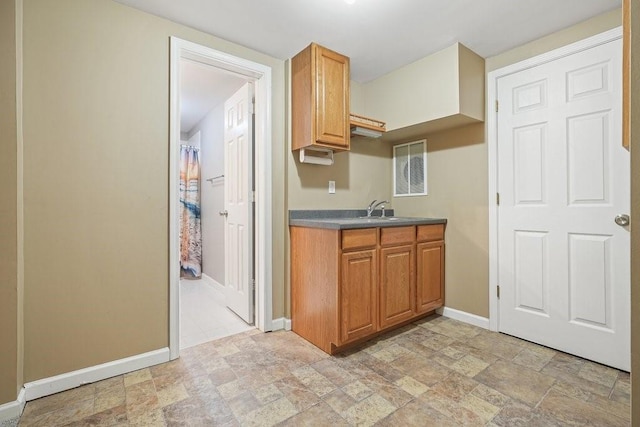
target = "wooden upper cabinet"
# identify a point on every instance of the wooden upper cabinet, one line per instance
(320, 99)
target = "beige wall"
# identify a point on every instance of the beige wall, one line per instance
(457, 190)
(96, 103)
(356, 100)
(361, 175)
(441, 91)
(582, 30)
(471, 81)
(8, 206)
(424, 90)
(431, 88)
(635, 211)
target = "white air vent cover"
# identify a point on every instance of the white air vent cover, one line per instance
(410, 169)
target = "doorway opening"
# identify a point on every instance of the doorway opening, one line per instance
(202, 81)
(205, 312)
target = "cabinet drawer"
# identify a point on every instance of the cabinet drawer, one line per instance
(432, 232)
(397, 235)
(359, 239)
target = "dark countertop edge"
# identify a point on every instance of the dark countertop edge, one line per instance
(337, 224)
(314, 214)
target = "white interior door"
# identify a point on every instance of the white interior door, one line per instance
(563, 177)
(238, 170)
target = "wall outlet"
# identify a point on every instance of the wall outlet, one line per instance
(332, 187)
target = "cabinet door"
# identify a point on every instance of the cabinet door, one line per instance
(358, 295)
(332, 98)
(430, 277)
(397, 284)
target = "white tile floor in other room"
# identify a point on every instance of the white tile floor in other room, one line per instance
(203, 314)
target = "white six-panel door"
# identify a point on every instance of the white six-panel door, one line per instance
(563, 176)
(238, 170)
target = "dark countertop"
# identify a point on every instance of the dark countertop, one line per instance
(350, 219)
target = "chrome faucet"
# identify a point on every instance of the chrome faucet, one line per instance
(373, 205)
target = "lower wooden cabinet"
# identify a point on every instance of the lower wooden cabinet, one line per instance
(397, 285)
(349, 285)
(358, 295)
(430, 277)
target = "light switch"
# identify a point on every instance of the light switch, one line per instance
(332, 187)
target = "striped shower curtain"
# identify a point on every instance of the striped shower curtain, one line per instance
(190, 232)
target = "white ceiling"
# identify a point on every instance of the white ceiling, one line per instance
(202, 88)
(378, 35)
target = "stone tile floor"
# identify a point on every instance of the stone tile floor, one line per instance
(435, 372)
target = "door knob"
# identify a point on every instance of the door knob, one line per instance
(622, 220)
(223, 213)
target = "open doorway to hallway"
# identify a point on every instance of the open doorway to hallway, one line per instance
(258, 290)
(204, 312)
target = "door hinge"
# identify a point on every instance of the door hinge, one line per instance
(253, 196)
(497, 105)
(498, 199)
(498, 291)
(253, 284)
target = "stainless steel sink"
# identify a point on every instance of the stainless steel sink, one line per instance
(376, 218)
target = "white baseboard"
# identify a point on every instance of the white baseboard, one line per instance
(13, 409)
(463, 316)
(69, 380)
(213, 282)
(281, 323)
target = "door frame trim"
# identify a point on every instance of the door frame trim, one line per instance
(261, 76)
(492, 148)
